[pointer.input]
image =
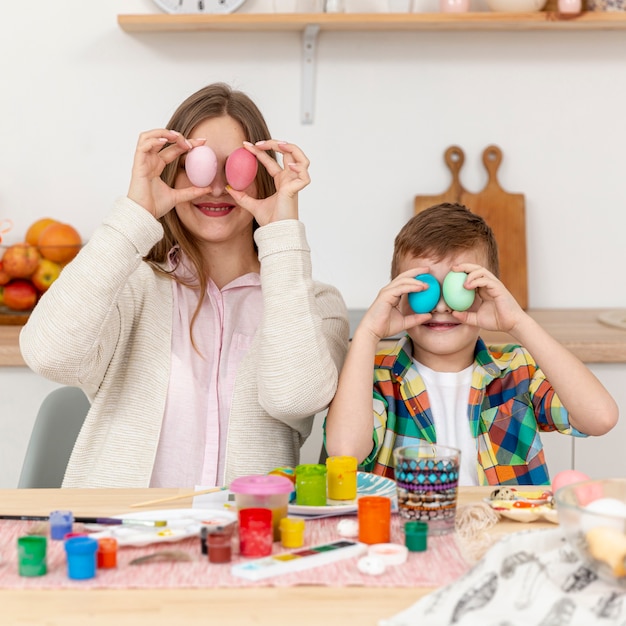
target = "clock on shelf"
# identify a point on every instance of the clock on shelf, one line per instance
(199, 6)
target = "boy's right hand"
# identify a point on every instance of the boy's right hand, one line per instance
(385, 316)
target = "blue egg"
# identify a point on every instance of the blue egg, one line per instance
(456, 296)
(425, 301)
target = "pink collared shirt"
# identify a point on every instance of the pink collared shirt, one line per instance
(192, 444)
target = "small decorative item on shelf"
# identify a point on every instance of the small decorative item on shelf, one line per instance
(606, 5)
(516, 6)
(334, 6)
(570, 7)
(454, 6)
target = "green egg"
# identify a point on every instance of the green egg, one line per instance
(456, 296)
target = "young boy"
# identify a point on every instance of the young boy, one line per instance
(441, 383)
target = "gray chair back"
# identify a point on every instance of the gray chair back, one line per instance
(58, 422)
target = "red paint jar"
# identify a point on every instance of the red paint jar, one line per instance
(219, 543)
(255, 532)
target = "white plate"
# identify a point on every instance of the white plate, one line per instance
(366, 485)
(181, 524)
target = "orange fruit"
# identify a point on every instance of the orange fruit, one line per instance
(36, 228)
(59, 242)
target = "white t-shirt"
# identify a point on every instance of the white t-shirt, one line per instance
(448, 393)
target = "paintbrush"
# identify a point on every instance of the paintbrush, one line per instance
(105, 521)
(180, 497)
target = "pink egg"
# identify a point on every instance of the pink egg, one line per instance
(241, 169)
(567, 477)
(201, 166)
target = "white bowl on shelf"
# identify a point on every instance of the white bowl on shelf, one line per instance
(516, 6)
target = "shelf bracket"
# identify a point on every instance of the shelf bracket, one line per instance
(309, 45)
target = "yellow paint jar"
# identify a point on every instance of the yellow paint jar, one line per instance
(341, 478)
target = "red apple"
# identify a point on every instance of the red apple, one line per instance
(46, 273)
(20, 295)
(1, 295)
(20, 260)
(4, 277)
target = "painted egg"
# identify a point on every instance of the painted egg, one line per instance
(241, 169)
(201, 166)
(608, 506)
(606, 512)
(425, 301)
(567, 477)
(348, 528)
(456, 296)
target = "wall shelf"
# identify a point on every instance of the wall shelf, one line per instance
(479, 21)
(311, 24)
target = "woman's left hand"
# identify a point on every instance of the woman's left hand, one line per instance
(289, 179)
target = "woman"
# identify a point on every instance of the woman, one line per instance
(190, 318)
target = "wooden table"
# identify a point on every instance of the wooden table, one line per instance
(272, 606)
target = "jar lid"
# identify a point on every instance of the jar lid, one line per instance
(81, 545)
(261, 485)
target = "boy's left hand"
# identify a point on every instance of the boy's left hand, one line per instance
(495, 308)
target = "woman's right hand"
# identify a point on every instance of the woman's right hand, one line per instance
(146, 187)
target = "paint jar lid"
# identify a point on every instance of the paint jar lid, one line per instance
(261, 485)
(60, 524)
(81, 545)
(389, 553)
(312, 469)
(416, 536)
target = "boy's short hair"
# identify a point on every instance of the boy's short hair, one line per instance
(441, 230)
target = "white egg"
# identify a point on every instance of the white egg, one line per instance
(348, 528)
(614, 509)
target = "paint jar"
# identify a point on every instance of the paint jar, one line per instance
(291, 532)
(219, 544)
(311, 485)
(264, 492)
(31, 555)
(255, 532)
(107, 553)
(341, 479)
(374, 514)
(60, 524)
(416, 536)
(81, 557)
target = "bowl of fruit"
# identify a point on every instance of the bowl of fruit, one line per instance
(28, 267)
(592, 514)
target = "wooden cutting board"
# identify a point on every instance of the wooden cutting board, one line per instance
(505, 212)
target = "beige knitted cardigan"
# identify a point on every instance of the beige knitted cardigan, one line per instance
(105, 326)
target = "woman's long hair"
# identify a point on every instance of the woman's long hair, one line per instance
(212, 101)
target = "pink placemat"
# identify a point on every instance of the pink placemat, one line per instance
(442, 563)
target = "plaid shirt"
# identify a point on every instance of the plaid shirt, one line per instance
(510, 401)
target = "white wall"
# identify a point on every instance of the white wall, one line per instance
(76, 91)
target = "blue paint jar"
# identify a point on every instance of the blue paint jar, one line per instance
(81, 557)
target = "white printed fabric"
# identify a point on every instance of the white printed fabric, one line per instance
(530, 578)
